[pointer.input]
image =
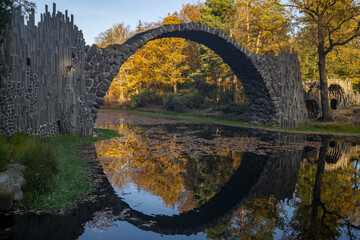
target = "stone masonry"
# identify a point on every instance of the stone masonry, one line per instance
(341, 94)
(272, 84)
(51, 83)
(42, 85)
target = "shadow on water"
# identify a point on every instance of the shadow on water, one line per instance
(286, 191)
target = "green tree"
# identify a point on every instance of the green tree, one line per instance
(7, 6)
(308, 57)
(332, 23)
(218, 14)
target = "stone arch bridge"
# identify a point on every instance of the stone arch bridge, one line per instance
(51, 82)
(341, 94)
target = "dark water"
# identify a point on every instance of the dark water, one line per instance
(181, 181)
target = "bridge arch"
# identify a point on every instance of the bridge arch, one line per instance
(336, 95)
(272, 84)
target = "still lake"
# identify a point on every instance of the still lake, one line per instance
(176, 179)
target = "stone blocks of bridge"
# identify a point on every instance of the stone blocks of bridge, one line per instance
(272, 84)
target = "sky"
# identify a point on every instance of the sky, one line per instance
(94, 16)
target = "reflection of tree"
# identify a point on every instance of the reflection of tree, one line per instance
(327, 205)
(160, 168)
(255, 219)
(213, 173)
(160, 175)
(128, 159)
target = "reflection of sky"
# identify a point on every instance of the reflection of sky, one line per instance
(288, 209)
(125, 230)
(143, 201)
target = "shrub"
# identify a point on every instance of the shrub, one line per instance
(146, 97)
(238, 108)
(184, 100)
(5, 152)
(39, 159)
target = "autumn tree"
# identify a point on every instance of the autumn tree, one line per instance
(332, 23)
(163, 60)
(191, 13)
(117, 34)
(262, 26)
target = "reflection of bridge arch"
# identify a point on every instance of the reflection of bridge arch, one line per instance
(193, 221)
(233, 193)
(274, 94)
(258, 176)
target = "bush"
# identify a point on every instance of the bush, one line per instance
(146, 98)
(184, 100)
(39, 159)
(238, 108)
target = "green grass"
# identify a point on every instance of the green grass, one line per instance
(331, 128)
(186, 116)
(56, 175)
(323, 128)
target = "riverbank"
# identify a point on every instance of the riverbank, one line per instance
(57, 175)
(336, 127)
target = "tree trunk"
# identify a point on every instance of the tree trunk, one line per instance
(235, 92)
(325, 107)
(110, 97)
(175, 87)
(247, 23)
(122, 96)
(218, 90)
(257, 47)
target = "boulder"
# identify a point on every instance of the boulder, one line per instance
(10, 185)
(18, 194)
(16, 173)
(16, 167)
(6, 193)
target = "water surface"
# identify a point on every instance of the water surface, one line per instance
(183, 180)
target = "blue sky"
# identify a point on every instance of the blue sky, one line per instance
(94, 16)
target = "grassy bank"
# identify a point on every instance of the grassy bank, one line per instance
(56, 175)
(312, 127)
